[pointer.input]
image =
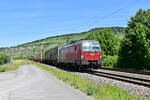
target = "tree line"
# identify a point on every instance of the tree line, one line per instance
(133, 50)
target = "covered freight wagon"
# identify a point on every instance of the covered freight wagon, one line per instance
(52, 56)
(40, 57)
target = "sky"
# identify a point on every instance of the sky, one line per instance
(23, 21)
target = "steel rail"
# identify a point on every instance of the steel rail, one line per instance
(134, 80)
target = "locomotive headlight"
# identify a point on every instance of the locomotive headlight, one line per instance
(82, 57)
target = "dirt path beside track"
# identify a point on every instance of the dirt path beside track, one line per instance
(32, 83)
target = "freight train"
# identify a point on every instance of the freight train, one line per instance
(82, 54)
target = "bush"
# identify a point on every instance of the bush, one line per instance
(4, 59)
(109, 61)
(2, 69)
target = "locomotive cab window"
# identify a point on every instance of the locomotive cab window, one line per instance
(96, 48)
(91, 47)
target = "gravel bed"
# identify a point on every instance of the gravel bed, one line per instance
(135, 89)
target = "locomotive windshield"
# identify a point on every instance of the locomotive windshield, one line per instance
(91, 46)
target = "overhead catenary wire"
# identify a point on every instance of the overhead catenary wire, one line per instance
(114, 12)
(94, 22)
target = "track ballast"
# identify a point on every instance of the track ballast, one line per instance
(125, 78)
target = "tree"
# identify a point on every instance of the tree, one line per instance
(135, 48)
(109, 42)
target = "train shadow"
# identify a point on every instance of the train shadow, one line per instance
(69, 68)
(65, 68)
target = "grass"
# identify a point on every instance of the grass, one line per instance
(99, 92)
(13, 66)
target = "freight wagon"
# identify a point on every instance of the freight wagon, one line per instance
(40, 57)
(52, 56)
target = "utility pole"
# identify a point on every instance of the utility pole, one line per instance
(11, 59)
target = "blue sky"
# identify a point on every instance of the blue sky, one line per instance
(24, 21)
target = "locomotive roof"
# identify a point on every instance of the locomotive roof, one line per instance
(78, 42)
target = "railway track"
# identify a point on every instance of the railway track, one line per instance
(121, 77)
(129, 71)
(124, 76)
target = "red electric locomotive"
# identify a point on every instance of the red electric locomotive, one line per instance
(84, 54)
